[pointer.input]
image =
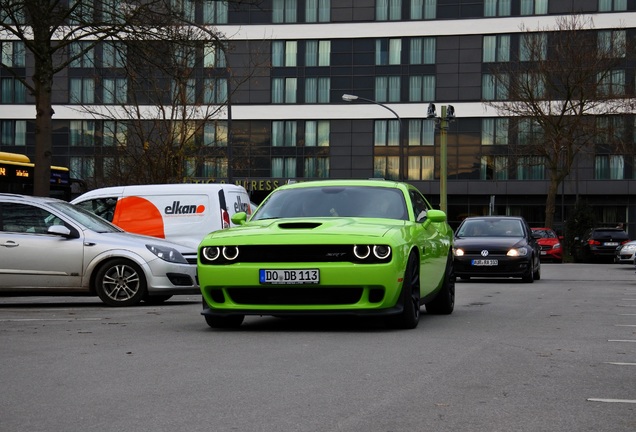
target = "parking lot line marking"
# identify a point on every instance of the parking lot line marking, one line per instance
(48, 319)
(621, 364)
(621, 340)
(629, 401)
(625, 325)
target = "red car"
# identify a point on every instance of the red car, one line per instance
(550, 244)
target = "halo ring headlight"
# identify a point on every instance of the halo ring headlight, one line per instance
(230, 253)
(361, 252)
(381, 252)
(211, 253)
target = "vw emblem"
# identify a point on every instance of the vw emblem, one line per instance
(484, 253)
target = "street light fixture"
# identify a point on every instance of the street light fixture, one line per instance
(353, 98)
(448, 114)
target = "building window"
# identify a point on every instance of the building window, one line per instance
(423, 9)
(210, 167)
(387, 89)
(82, 133)
(386, 133)
(111, 11)
(284, 53)
(530, 132)
(612, 5)
(318, 53)
(13, 53)
(421, 168)
(387, 167)
(494, 168)
(612, 43)
(496, 8)
(115, 134)
(388, 10)
(422, 88)
(421, 132)
(422, 50)
(317, 133)
(284, 133)
(183, 8)
(531, 168)
(82, 55)
(496, 48)
(494, 87)
(388, 51)
(316, 167)
(611, 83)
(82, 90)
(534, 7)
(214, 12)
(184, 57)
(82, 167)
(532, 85)
(184, 92)
(13, 132)
(214, 91)
(82, 12)
(284, 167)
(533, 47)
(494, 131)
(611, 130)
(284, 11)
(215, 134)
(284, 90)
(115, 90)
(317, 90)
(114, 55)
(317, 11)
(13, 91)
(609, 167)
(213, 56)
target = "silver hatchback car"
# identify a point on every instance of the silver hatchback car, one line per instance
(51, 247)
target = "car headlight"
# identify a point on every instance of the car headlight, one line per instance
(458, 252)
(516, 252)
(219, 254)
(557, 246)
(628, 248)
(167, 254)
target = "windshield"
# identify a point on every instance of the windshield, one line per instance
(334, 201)
(545, 233)
(85, 218)
(490, 228)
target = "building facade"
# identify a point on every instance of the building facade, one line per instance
(291, 61)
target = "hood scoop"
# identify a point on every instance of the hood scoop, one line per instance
(299, 225)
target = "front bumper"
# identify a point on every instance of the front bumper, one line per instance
(506, 267)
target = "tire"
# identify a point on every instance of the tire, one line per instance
(529, 277)
(232, 321)
(537, 272)
(444, 301)
(120, 282)
(410, 297)
(155, 299)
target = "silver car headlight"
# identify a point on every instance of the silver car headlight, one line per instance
(628, 248)
(167, 254)
(516, 252)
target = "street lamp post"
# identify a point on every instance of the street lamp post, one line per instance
(448, 114)
(352, 98)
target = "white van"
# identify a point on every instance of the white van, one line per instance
(182, 213)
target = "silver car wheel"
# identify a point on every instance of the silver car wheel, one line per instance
(120, 283)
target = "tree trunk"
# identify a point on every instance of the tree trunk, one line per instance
(43, 82)
(550, 202)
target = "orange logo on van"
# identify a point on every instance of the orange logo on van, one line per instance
(138, 215)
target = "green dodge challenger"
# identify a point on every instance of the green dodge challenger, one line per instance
(332, 247)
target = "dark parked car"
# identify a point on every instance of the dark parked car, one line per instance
(496, 246)
(598, 244)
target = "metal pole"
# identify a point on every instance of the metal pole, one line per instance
(443, 168)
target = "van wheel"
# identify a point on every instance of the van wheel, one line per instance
(120, 282)
(155, 299)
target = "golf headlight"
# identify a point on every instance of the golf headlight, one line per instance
(458, 252)
(516, 252)
(167, 254)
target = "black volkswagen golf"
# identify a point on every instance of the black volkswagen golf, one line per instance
(496, 246)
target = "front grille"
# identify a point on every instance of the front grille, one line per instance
(296, 296)
(191, 260)
(545, 247)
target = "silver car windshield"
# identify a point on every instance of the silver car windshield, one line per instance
(334, 201)
(85, 218)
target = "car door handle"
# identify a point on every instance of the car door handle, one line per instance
(10, 243)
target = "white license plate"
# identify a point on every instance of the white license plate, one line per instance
(611, 243)
(544, 253)
(485, 262)
(289, 277)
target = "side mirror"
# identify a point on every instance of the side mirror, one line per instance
(239, 218)
(60, 230)
(434, 216)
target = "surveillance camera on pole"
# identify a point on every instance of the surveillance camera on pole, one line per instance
(431, 111)
(450, 112)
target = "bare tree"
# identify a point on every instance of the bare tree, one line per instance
(52, 31)
(554, 91)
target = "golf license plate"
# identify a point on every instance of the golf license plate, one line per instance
(485, 262)
(289, 277)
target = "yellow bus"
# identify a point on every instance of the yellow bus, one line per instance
(17, 172)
